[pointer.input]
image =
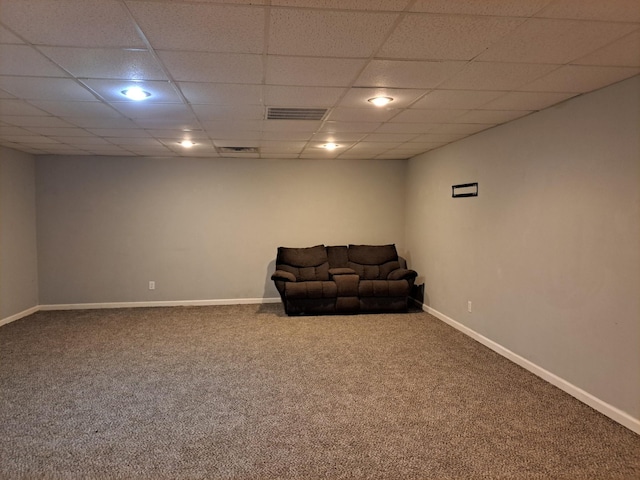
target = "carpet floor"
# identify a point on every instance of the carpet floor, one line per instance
(245, 392)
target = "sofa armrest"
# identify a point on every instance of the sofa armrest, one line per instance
(402, 274)
(341, 271)
(283, 276)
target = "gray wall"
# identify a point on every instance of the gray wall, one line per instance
(549, 252)
(202, 229)
(18, 255)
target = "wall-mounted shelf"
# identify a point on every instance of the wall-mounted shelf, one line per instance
(464, 190)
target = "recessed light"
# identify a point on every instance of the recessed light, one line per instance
(187, 143)
(135, 93)
(380, 101)
(330, 146)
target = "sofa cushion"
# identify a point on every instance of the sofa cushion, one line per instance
(372, 254)
(383, 288)
(306, 264)
(303, 257)
(373, 262)
(304, 290)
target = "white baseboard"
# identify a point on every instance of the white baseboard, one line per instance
(610, 411)
(172, 303)
(167, 303)
(20, 315)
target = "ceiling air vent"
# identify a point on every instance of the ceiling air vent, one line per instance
(237, 149)
(278, 113)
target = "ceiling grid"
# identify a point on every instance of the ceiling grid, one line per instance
(213, 68)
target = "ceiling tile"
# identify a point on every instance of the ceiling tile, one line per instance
(18, 107)
(107, 150)
(370, 114)
(62, 149)
(323, 33)
(609, 10)
(78, 141)
(136, 110)
(64, 132)
(35, 121)
(512, 8)
(526, 100)
(374, 147)
(171, 134)
(111, 90)
(285, 135)
(168, 122)
(202, 27)
(390, 137)
(419, 147)
(229, 112)
(456, 99)
(213, 67)
(7, 37)
(89, 23)
(30, 139)
(554, 41)
(329, 137)
(267, 146)
(77, 109)
(460, 128)
(221, 93)
(445, 37)
(440, 138)
(624, 52)
(126, 64)
(420, 115)
(119, 132)
(239, 136)
(388, 5)
(10, 130)
(491, 116)
(401, 127)
(139, 141)
(358, 97)
(25, 60)
(100, 122)
(254, 126)
(35, 88)
(496, 76)
(290, 126)
(349, 127)
(306, 71)
(280, 96)
(578, 79)
(407, 74)
(25, 147)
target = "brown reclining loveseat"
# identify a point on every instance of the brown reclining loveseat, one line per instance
(342, 279)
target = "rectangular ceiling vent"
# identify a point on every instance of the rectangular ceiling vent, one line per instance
(237, 149)
(280, 113)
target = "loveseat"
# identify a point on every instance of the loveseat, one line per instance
(342, 279)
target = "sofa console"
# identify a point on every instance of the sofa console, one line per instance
(342, 279)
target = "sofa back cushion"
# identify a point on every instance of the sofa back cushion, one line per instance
(307, 264)
(373, 262)
(338, 256)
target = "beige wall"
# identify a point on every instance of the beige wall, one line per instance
(18, 256)
(549, 252)
(202, 229)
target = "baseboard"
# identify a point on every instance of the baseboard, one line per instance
(610, 411)
(168, 303)
(20, 315)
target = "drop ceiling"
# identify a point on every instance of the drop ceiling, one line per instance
(214, 69)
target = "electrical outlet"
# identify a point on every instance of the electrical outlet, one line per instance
(469, 306)
(152, 285)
